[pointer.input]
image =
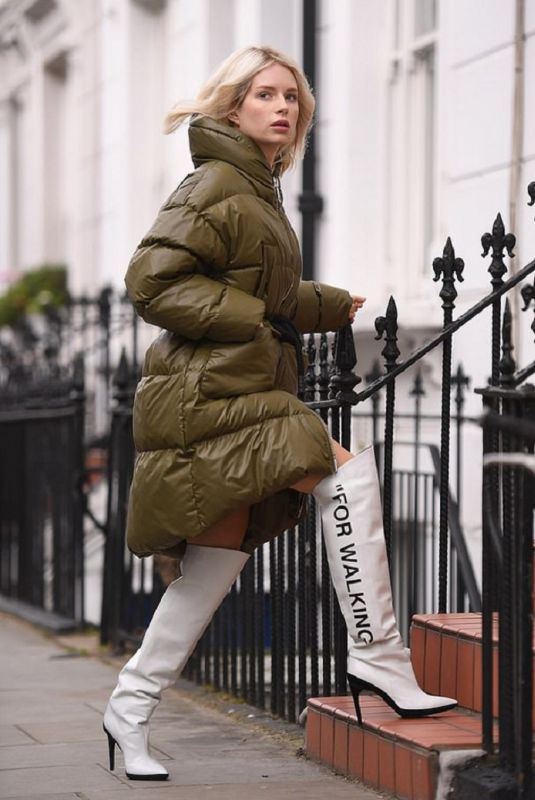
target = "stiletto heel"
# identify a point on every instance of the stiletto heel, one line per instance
(356, 688)
(357, 685)
(111, 749)
(133, 777)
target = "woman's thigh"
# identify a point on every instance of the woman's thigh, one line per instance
(228, 532)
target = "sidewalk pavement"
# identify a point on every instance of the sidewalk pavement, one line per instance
(52, 747)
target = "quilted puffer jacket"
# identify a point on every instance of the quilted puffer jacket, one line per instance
(217, 425)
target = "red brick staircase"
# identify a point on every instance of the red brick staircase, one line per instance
(403, 756)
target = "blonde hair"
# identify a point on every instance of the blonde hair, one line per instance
(225, 91)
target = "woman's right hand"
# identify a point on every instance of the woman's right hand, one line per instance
(356, 304)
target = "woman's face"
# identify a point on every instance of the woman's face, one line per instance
(269, 111)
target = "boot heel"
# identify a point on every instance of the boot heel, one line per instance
(356, 687)
(111, 749)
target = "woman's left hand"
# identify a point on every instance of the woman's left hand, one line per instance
(357, 302)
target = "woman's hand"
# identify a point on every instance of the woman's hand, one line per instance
(357, 302)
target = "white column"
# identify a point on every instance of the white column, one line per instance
(249, 22)
(6, 195)
(350, 141)
(32, 165)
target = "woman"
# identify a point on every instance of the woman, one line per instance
(226, 450)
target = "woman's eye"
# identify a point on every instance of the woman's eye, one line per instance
(263, 95)
(291, 97)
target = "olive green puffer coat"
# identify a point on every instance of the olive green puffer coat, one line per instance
(217, 425)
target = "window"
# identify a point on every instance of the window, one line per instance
(411, 182)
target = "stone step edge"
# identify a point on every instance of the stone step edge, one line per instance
(388, 753)
(446, 662)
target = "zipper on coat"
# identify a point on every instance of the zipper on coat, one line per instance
(319, 295)
(278, 192)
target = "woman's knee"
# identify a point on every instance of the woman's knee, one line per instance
(308, 484)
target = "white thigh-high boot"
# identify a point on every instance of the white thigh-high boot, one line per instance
(351, 513)
(178, 623)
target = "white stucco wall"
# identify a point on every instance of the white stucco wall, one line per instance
(92, 166)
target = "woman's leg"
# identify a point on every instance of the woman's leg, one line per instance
(350, 505)
(209, 567)
(228, 533)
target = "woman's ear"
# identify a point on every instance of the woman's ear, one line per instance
(233, 118)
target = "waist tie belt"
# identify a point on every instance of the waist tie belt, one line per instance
(289, 333)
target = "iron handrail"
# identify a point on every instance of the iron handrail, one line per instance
(448, 331)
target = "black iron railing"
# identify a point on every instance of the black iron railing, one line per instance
(41, 499)
(55, 373)
(508, 521)
(296, 586)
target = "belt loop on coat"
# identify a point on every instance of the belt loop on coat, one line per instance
(289, 333)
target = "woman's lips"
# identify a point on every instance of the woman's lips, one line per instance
(283, 125)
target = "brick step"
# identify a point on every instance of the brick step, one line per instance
(387, 753)
(446, 651)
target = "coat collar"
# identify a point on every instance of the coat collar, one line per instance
(212, 140)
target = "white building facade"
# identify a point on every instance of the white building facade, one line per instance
(425, 128)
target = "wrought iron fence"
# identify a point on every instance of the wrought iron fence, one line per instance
(41, 476)
(508, 509)
(55, 372)
(279, 636)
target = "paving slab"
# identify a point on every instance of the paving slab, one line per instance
(52, 746)
(276, 790)
(55, 780)
(10, 734)
(69, 796)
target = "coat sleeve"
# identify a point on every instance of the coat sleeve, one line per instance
(321, 308)
(169, 280)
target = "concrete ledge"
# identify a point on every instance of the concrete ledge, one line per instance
(38, 616)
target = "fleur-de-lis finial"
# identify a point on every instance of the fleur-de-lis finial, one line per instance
(528, 296)
(388, 325)
(499, 241)
(448, 266)
(418, 385)
(531, 192)
(344, 378)
(122, 373)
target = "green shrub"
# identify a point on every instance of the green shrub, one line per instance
(33, 292)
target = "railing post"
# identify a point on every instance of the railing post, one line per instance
(418, 542)
(120, 464)
(525, 576)
(499, 241)
(461, 382)
(372, 376)
(78, 397)
(507, 665)
(488, 589)
(447, 266)
(388, 326)
(341, 385)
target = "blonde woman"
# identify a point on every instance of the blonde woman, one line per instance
(225, 449)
